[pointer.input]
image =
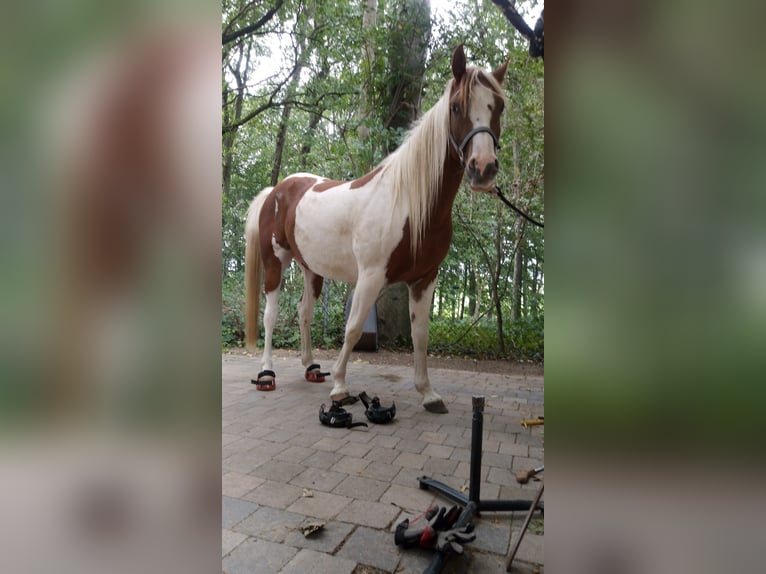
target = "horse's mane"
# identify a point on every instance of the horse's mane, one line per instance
(416, 166)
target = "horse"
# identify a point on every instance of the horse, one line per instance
(393, 224)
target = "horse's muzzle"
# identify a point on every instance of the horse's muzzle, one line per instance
(481, 175)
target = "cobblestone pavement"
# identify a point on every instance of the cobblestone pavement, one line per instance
(281, 467)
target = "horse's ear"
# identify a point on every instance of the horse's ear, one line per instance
(458, 63)
(499, 74)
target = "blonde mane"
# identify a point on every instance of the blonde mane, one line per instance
(417, 165)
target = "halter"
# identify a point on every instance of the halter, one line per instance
(459, 148)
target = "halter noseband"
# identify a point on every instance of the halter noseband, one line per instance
(460, 148)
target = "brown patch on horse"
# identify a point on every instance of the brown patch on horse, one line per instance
(316, 285)
(276, 221)
(325, 185)
(365, 179)
(420, 270)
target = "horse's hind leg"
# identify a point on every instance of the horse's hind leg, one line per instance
(273, 266)
(269, 321)
(312, 287)
(367, 288)
(420, 303)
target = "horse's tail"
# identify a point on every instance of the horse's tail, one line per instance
(253, 270)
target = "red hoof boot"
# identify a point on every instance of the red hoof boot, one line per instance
(314, 375)
(266, 381)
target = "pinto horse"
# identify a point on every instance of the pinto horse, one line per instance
(392, 225)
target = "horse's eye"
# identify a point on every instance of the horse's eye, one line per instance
(455, 108)
(502, 107)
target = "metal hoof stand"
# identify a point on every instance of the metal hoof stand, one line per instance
(474, 481)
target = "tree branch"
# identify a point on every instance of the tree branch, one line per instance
(229, 37)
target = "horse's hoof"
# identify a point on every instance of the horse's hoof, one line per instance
(436, 407)
(339, 396)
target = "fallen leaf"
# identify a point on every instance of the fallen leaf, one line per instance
(311, 526)
(307, 493)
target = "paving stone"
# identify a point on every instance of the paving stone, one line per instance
(372, 547)
(372, 514)
(532, 547)
(272, 524)
(500, 476)
(361, 487)
(278, 470)
(294, 454)
(233, 510)
(321, 505)
(408, 477)
(275, 494)
(360, 437)
(408, 498)
(414, 560)
(316, 478)
(260, 443)
(303, 439)
(330, 444)
(352, 465)
(524, 463)
(463, 470)
(437, 451)
(411, 445)
(318, 563)
(410, 460)
(243, 462)
(489, 491)
(514, 449)
(227, 438)
(439, 466)
(484, 563)
(461, 455)
(492, 534)
(257, 557)
(328, 539)
(230, 540)
(493, 459)
(456, 439)
(356, 449)
(432, 437)
(381, 471)
(382, 455)
(236, 484)
(385, 441)
(323, 460)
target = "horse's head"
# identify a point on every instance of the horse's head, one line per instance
(476, 102)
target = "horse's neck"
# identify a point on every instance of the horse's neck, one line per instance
(452, 175)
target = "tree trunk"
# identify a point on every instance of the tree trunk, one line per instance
(471, 292)
(518, 267)
(408, 50)
(284, 123)
(394, 314)
(479, 290)
(308, 140)
(369, 22)
(518, 260)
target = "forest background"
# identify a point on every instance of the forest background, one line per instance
(331, 88)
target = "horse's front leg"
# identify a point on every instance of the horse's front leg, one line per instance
(420, 306)
(368, 286)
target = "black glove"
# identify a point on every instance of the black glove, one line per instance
(453, 540)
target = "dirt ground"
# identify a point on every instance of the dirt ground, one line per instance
(388, 357)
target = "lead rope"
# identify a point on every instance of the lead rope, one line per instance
(516, 209)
